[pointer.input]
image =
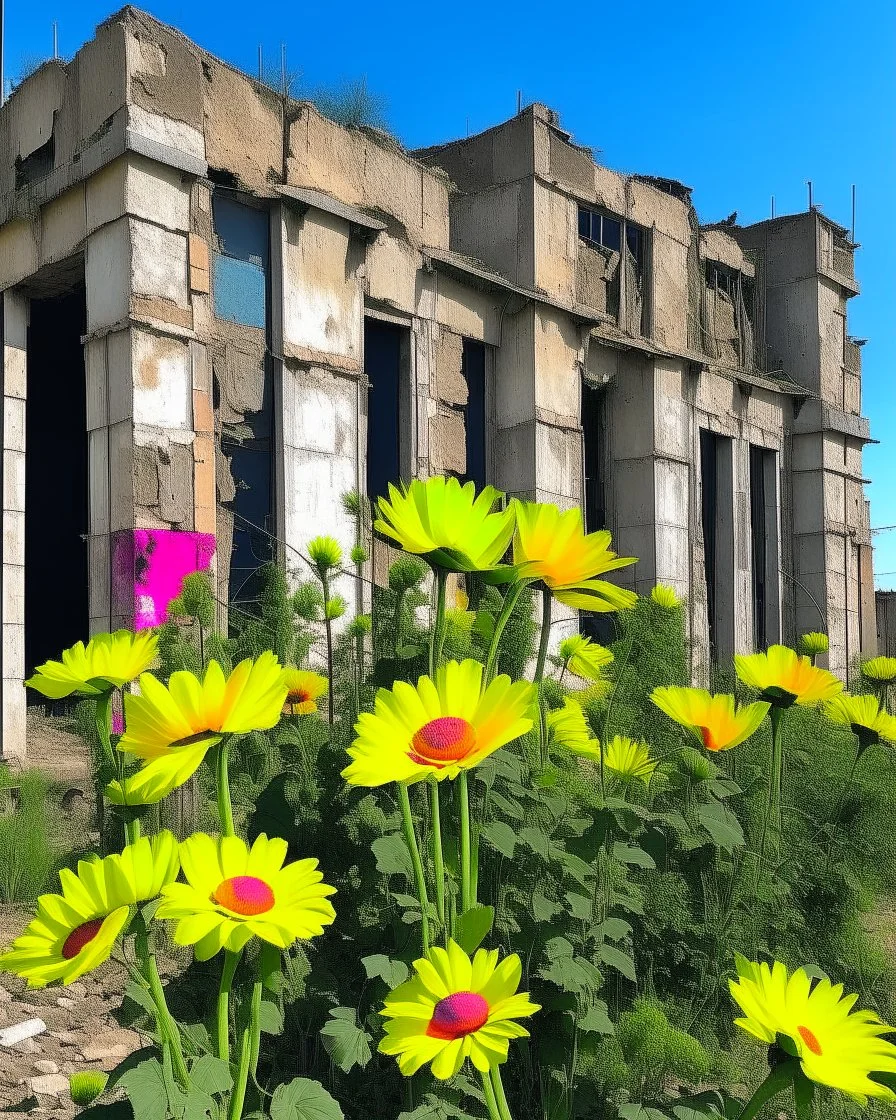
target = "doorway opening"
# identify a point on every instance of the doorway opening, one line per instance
(56, 505)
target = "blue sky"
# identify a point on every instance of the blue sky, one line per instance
(740, 103)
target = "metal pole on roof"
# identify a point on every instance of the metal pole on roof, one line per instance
(809, 185)
(55, 39)
(852, 231)
(2, 74)
(283, 69)
(260, 62)
(773, 205)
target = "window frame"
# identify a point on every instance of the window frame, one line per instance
(643, 259)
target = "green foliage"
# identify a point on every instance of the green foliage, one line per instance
(27, 854)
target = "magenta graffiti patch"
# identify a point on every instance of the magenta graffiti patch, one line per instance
(148, 568)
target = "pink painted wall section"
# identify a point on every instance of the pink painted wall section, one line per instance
(148, 568)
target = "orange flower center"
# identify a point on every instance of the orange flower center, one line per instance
(708, 739)
(457, 1015)
(246, 895)
(298, 696)
(810, 1040)
(80, 936)
(443, 740)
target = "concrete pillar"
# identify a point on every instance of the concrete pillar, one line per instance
(13, 382)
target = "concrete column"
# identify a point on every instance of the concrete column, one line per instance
(13, 380)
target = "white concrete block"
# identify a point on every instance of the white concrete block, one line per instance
(108, 272)
(13, 649)
(99, 569)
(14, 480)
(164, 130)
(13, 536)
(15, 372)
(163, 381)
(12, 745)
(105, 197)
(95, 374)
(63, 225)
(158, 193)
(98, 480)
(14, 423)
(119, 359)
(672, 484)
(14, 594)
(160, 266)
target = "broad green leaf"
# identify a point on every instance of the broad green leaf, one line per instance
(543, 908)
(596, 1019)
(346, 1043)
(535, 839)
(721, 824)
(393, 972)
(622, 962)
(579, 905)
(271, 1017)
(211, 1075)
(145, 1086)
(501, 837)
(392, 856)
(632, 854)
(473, 926)
(614, 929)
(303, 1099)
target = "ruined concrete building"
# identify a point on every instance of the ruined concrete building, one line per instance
(221, 311)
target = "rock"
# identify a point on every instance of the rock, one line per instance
(26, 1046)
(64, 1001)
(5, 997)
(50, 1085)
(44, 1065)
(111, 1046)
(69, 1038)
(78, 990)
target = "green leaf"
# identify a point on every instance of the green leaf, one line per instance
(116, 1110)
(544, 908)
(473, 926)
(346, 1043)
(632, 854)
(613, 929)
(535, 839)
(501, 837)
(392, 855)
(579, 905)
(271, 1017)
(211, 1075)
(393, 972)
(145, 1086)
(622, 962)
(721, 824)
(596, 1019)
(303, 1099)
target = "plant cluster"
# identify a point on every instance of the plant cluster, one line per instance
(419, 880)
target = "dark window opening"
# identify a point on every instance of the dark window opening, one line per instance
(598, 626)
(709, 479)
(384, 349)
(241, 294)
(37, 165)
(730, 314)
(56, 509)
(759, 538)
(475, 411)
(625, 277)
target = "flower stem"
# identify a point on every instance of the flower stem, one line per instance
(169, 1032)
(509, 603)
(488, 1089)
(231, 960)
(773, 800)
(437, 637)
(250, 1044)
(778, 1079)
(438, 860)
(467, 898)
(225, 807)
(268, 959)
(328, 629)
(103, 721)
(539, 672)
(500, 1095)
(410, 837)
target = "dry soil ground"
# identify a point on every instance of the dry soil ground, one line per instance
(81, 1030)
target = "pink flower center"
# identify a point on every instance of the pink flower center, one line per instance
(443, 740)
(246, 895)
(810, 1040)
(80, 936)
(457, 1015)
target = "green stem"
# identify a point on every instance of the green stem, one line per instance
(438, 860)
(777, 1080)
(500, 1095)
(238, 1098)
(410, 836)
(437, 637)
(103, 722)
(488, 1089)
(222, 1018)
(841, 801)
(539, 673)
(225, 807)
(268, 960)
(168, 1029)
(773, 799)
(466, 878)
(328, 628)
(491, 660)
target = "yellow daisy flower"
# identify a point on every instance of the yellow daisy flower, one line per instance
(583, 657)
(74, 932)
(864, 716)
(455, 1008)
(171, 728)
(783, 678)
(836, 1046)
(881, 670)
(449, 525)
(107, 661)
(665, 596)
(437, 728)
(305, 688)
(714, 721)
(629, 759)
(570, 729)
(553, 547)
(814, 643)
(234, 893)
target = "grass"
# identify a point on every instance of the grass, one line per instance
(27, 854)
